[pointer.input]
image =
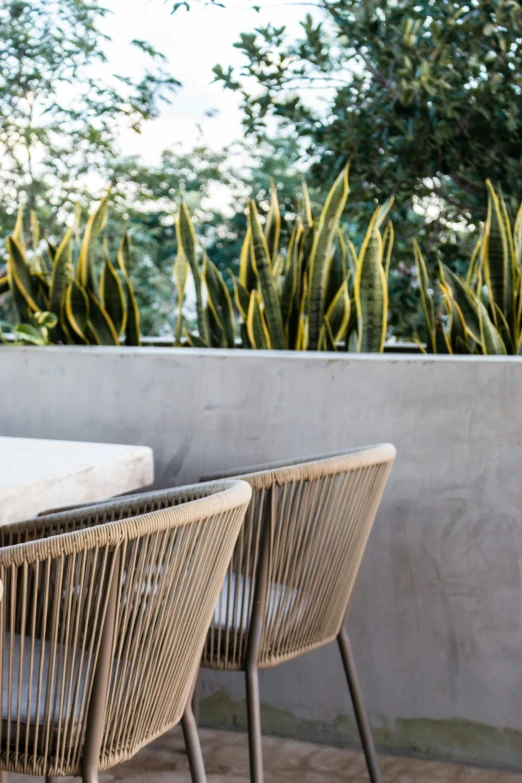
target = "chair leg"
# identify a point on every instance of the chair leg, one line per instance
(88, 776)
(361, 717)
(192, 743)
(255, 739)
(196, 693)
(3, 776)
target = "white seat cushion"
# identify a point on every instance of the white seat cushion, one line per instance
(234, 602)
(30, 710)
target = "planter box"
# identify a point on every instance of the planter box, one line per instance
(436, 622)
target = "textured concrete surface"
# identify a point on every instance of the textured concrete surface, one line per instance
(436, 622)
(39, 474)
(286, 761)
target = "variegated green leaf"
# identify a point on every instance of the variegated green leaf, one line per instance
(457, 326)
(338, 314)
(503, 329)
(86, 270)
(476, 261)
(288, 291)
(18, 232)
(188, 244)
(20, 277)
(257, 328)
(517, 238)
(336, 270)
(65, 328)
(426, 297)
(294, 240)
(62, 273)
(273, 224)
(132, 328)
(321, 253)
(45, 319)
(307, 243)
(442, 339)
(388, 241)
(180, 272)
(241, 296)
(267, 285)
(327, 341)
(247, 272)
(498, 260)
(27, 333)
(490, 338)
(301, 340)
(100, 326)
(35, 231)
(464, 297)
(112, 295)
(307, 205)
(51, 251)
(371, 288)
(353, 258)
(277, 268)
(77, 310)
(220, 303)
(215, 328)
(194, 340)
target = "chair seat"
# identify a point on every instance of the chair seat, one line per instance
(26, 701)
(234, 604)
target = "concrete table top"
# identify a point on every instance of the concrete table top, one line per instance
(36, 475)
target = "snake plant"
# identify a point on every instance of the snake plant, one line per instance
(318, 293)
(481, 314)
(58, 296)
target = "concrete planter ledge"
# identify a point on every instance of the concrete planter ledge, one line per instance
(436, 623)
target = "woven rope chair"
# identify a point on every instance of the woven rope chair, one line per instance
(290, 581)
(104, 615)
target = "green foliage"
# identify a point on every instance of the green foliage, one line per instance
(481, 314)
(423, 98)
(144, 198)
(51, 137)
(37, 331)
(307, 296)
(56, 295)
(60, 122)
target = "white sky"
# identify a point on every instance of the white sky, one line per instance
(194, 42)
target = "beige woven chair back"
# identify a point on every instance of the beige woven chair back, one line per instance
(138, 579)
(307, 526)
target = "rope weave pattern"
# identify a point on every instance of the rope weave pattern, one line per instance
(169, 554)
(320, 513)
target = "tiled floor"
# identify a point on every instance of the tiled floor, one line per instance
(286, 761)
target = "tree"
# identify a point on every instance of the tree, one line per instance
(59, 121)
(424, 98)
(62, 110)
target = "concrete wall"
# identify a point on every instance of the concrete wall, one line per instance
(437, 618)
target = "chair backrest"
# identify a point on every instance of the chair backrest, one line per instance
(298, 554)
(103, 620)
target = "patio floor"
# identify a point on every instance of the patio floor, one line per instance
(286, 761)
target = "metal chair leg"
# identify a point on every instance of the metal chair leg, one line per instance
(255, 740)
(3, 776)
(88, 776)
(192, 743)
(361, 717)
(196, 693)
